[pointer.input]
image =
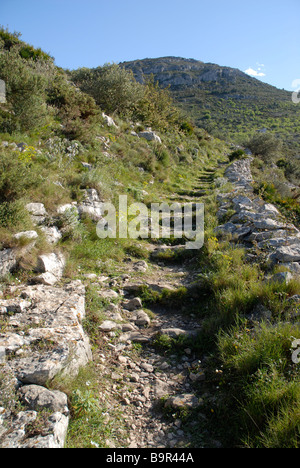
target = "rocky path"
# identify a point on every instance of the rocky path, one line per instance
(149, 372)
(140, 374)
(155, 386)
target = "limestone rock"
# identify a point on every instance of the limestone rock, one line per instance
(45, 278)
(8, 261)
(282, 277)
(175, 332)
(53, 234)
(287, 254)
(141, 318)
(38, 212)
(30, 235)
(150, 136)
(133, 304)
(56, 343)
(109, 121)
(109, 325)
(37, 398)
(91, 205)
(18, 435)
(51, 263)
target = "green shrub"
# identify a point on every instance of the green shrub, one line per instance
(26, 91)
(237, 154)
(267, 146)
(13, 215)
(16, 177)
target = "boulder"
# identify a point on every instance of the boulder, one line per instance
(53, 234)
(109, 325)
(51, 263)
(133, 304)
(16, 431)
(287, 254)
(282, 277)
(54, 341)
(176, 332)
(37, 398)
(141, 318)
(150, 136)
(37, 211)
(91, 205)
(109, 121)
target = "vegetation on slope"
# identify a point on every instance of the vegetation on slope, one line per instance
(226, 102)
(255, 385)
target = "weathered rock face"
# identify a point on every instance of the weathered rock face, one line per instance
(8, 261)
(19, 433)
(150, 136)
(91, 205)
(256, 222)
(43, 337)
(109, 121)
(2, 92)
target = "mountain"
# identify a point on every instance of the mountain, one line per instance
(225, 101)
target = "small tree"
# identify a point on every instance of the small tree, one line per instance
(114, 89)
(26, 91)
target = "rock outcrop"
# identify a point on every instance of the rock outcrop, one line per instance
(256, 223)
(42, 337)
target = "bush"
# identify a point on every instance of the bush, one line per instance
(77, 111)
(266, 146)
(26, 91)
(16, 177)
(113, 88)
(237, 154)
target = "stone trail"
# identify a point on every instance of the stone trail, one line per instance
(41, 333)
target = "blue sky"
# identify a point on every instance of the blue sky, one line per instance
(260, 36)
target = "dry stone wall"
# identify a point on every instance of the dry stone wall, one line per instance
(42, 337)
(255, 223)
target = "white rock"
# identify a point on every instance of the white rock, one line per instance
(53, 234)
(8, 261)
(109, 325)
(141, 318)
(150, 136)
(51, 263)
(109, 121)
(133, 304)
(68, 207)
(36, 209)
(91, 205)
(36, 398)
(45, 278)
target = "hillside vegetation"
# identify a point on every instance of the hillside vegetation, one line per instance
(56, 142)
(225, 101)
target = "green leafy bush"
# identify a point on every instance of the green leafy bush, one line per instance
(237, 154)
(16, 177)
(26, 90)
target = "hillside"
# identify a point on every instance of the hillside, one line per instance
(135, 341)
(225, 101)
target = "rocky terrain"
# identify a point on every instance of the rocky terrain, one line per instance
(42, 334)
(225, 101)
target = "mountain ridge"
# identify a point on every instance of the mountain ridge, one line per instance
(225, 101)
